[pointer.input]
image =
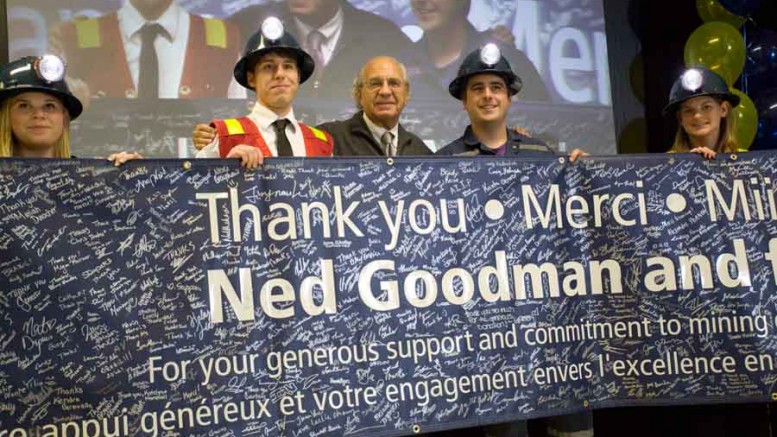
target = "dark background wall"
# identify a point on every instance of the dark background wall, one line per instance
(663, 26)
(645, 41)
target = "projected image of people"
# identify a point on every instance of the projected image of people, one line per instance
(339, 36)
(150, 49)
(448, 36)
(180, 54)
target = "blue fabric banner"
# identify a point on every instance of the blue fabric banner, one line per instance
(379, 297)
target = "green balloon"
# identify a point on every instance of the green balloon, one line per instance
(719, 47)
(746, 117)
(711, 10)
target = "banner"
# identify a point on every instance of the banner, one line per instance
(379, 297)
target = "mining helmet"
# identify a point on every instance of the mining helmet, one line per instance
(44, 74)
(696, 82)
(487, 59)
(272, 37)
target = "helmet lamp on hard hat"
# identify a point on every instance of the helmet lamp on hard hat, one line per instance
(272, 37)
(487, 59)
(45, 74)
(697, 82)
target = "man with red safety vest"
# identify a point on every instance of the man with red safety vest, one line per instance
(273, 65)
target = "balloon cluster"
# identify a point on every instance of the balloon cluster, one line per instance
(719, 45)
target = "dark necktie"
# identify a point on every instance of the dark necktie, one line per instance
(281, 140)
(387, 141)
(315, 43)
(148, 75)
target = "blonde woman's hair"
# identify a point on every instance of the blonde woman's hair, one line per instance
(727, 141)
(8, 142)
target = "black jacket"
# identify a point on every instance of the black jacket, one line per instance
(352, 137)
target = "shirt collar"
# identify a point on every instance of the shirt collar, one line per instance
(473, 142)
(378, 131)
(470, 139)
(265, 117)
(328, 29)
(131, 21)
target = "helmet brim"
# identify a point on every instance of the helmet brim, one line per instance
(69, 101)
(305, 64)
(672, 107)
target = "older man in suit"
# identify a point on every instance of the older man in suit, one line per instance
(380, 91)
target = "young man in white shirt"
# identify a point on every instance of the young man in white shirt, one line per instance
(273, 66)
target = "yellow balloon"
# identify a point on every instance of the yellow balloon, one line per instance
(711, 10)
(746, 117)
(719, 47)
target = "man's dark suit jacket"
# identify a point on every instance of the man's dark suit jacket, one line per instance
(363, 36)
(352, 137)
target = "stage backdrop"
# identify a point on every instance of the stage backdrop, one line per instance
(377, 298)
(557, 47)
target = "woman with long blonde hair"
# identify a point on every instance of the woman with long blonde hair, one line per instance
(36, 108)
(702, 103)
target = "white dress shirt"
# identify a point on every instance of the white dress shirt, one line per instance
(263, 118)
(170, 48)
(377, 133)
(331, 31)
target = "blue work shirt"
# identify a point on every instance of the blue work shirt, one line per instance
(516, 145)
